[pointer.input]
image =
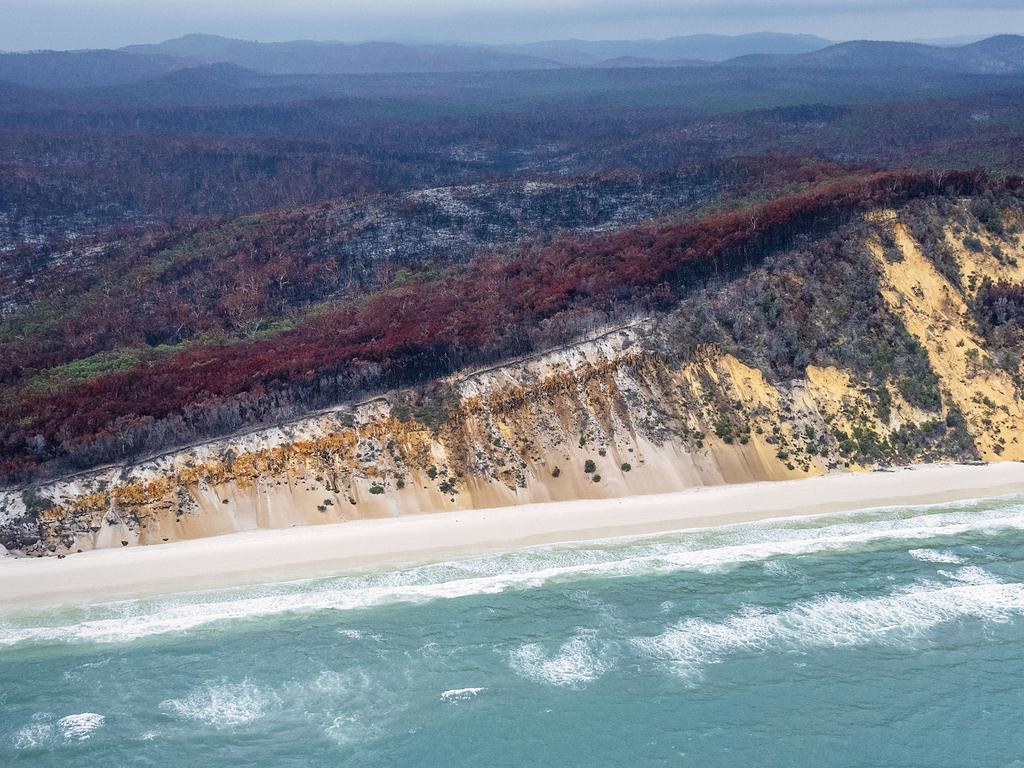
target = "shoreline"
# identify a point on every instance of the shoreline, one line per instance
(323, 550)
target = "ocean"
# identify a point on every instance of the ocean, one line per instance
(883, 638)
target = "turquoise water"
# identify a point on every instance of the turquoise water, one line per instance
(890, 637)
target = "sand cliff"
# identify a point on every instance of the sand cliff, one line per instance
(524, 431)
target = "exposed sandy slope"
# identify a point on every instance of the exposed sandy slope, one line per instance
(524, 431)
(935, 312)
(522, 435)
(257, 556)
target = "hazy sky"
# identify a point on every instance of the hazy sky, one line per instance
(32, 24)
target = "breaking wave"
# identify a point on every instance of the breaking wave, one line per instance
(455, 695)
(81, 726)
(700, 550)
(576, 662)
(935, 556)
(222, 704)
(833, 621)
(44, 733)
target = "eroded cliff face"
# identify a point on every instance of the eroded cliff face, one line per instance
(938, 315)
(611, 416)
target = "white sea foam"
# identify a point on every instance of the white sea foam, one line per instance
(703, 551)
(578, 661)
(455, 695)
(38, 733)
(935, 556)
(833, 621)
(222, 704)
(42, 732)
(781, 569)
(81, 726)
(970, 574)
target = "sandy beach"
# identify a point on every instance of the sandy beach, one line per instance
(274, 555)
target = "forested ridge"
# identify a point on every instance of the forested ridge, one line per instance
(431, 324)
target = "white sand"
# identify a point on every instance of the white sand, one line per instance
(260, 556)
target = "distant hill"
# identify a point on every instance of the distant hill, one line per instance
(1003, 54)
(210, 85)
(997, 55)
(635, 62)
(950, 42)
(313, 57)
(20, 98)
(702, 47)
(83, 69)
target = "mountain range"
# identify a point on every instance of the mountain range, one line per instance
(1003, 54)
(709, 48)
